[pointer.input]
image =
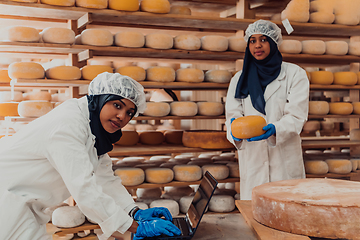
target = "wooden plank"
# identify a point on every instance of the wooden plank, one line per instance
(320, 59)
(51, 82)
(333, 87)
(179, 118)
(314, 144)
(353, 176)
(39, 48)
(311, 116)
(263, 232)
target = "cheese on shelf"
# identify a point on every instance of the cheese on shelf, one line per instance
(187, 173)
(218, 76)
(89, 72)
(160, 74)
(21, 34)
(182, 10)
(297, 11)
(130, 176)
(129, 39)
(173, 136)
(63, 3)
(4, 76)
(210, 108)
(157, 109)
(159, 41)
(185, 203)
(218, 171)
(67, 217)
(58, 35)
(214, 43)
(341, 166)
(27, 70)
(317, 47)
(128, 138)
(192, 75)
(316, 167)
(311, 126)
(337, 47)
(39, 95)
(319, 107)
(135, 72)
(322, 17)
(6, 96)
(354, 48)
(233, 169)
(340, 108)
(237, 44)
(64, 73)
(356, 106)
(345, 78)
(321, 77)
(155, 6)
(34, 108)
(187, 42)
(183, 108)
(248, 126)
(97, 4)
(124, 5)
(358, 76)
(97, 37)
(206, 139)
(9, 109)
(159, 175)
(290, 46)
(151, 137)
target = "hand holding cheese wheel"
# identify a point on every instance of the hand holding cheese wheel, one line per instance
(248, 127)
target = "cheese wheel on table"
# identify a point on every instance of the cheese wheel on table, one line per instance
(159, 41)
(6, 96)
(345, 78)
(171, 205)
(183, 108)
(9, 109)
(322, 17)
(58, 35)
(89, 72)
(354, 48)
(214, 43)
(219, 172)
(319, 107)
(218, 76)
(341, 166)
(67, 217)
(182, 10)
(27, 70)
(317, 47)
(187, 42)
(157, 109)
(21, 34)
(191, 75)
(124, 5)
(155, 6)
(159, 175)
(206, 139)
(151, 137)
(316, 167)
(210, 108)
(128, 138)
(187, 173)
(222, 203)
(290, 46)
(237, 44)
(63, 3)
(160, 74)
(130, 176)
(97, 4)
(340, 108)
(248, 126)
(173, 136)
(34, 108)
(97, 37)
(129, 39)
(135, 72)
(63, 73)
(4, 76)
(321, 77)
(337, 47)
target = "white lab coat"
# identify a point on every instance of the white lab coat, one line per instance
(51, 159)
(280, 157)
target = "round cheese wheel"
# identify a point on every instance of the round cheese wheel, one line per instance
(207, 139)
(356, 106)
(210, 108)
(159, 41)
(187, 42)
(186, 156)
(319, 107)
(321, 77)
(97, 37)
(124, 5)
(63, 3)
(182, 10)
(248, 126)
(187, 173)
(233, 169)
(222, 203)
(34, 108)
(173, 136)
(346, 19)
(135, 72)
(185, 203)
(355, 134)
(130, 176)
(150, 193)
(290, 46)
(27, 70)
(151, 137)
(171, 205)
(21, 34)
(67, 217)
(316, 167)
(159, 175)
(160, 74)
(228, 154)
(155, 6)
(183, 108)
(345, 78)
(354, 48)
(322, 17)
(192, 75)
(4, 76)
(340, 108)
(128, 138)
(26, 1)
(218, 76)
(341, 166)
(163, 158)
(297, 11)
(157, 109)
(237, 44)
(64, 73)
(219, 172)
(98, 4)
(317, 47)
(207, 155)
(214, 43)
(9, 109)
(310, 126)
(39, 95)
(6, 96)
(89, 72)
(130, 39)
(58, 35)
(354, 164)
(337, 47)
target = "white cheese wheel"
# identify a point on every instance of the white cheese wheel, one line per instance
(354, 48)
(124, 5)
(63, 3)
(354, 164)
(183, 108)
(355, 134)
(98, 4)
(222, 203)
(185, 203)
(341, 166)
(58, 35)
(290, 46)
(340, 108)
(130, 39)
(218, 171)
(67, 217)
(97, 37)
(319, 107)
(39, 95)
(27, 70)
(64, 73)
(130, 176)
(173, 136)
(316, 167)
(49, 210)
(322, 17)
(233, 169)
(182, 10)
(336, 47)
(218, 76)
(128, 138)
(34, 108)
(4, 76)
(9, 109)
(135, 72)
(297, 11)
(356, 106)
(210, 108)
(160, 74)
(159, 41)
(155, 6)
(346, 19)
(321, 77)
(310, 126)
(148, 193)
(214, 43)
(5, 96)
(20, 34)
(171, 205)
(157, 109)
(192, 75)
(159, 175)
(237, 44)
(187, 173)
(316, 47)
(89, 72)
(345, 78)
(151, 137)
(187, 42)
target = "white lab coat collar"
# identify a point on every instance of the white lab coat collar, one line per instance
(83, 105)
(274, 85)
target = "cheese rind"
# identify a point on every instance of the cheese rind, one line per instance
(237, 44)
(210, 108)
(321, 77)
(319, 107)
(27, 70)
(182, 10)
(170, 204)
(218, 76)
(64, 3)
(183, 108)
(21, 34)
(64, 73)
(187, 173)
(128, 138)
(187, 42)
(155, 6)
(130, 176)
(160, 74)
(159, 41)
(248, 126)
(297, 11)
(89, 72)
(129, 39)
(124, 5)
(345, 78)
(97, 4)
(151, 137)
(67, 217)
(58, 35)
(9, 109)
(340, 108)
(341, 166)
(290, 46)
(159, 175)
(97, 37)
(4, 76)
(157, 109)
(135, 72)
(316, 167)
(317, 47)
(222, 203)
(34, 108)
(218, 171)
(207, 139)
(192, 75)
(337, 47)
(214, 43)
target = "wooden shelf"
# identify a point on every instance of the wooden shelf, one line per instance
(353, 176)
(179, 118)
(333, 116)
(333, 87)
(322, 142)
(51, 82)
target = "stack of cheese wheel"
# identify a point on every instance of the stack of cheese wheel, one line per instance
(64, 73)
(97, 4)
(316, 207)
(130, 176)
(160, 74)
(192, 75)
(67, 217)
(340, 108)
(321, 77)
(316, 167)
(135, 72)
(181, 10)
(21, 34)
(89, 72)
(354, 48)
(207, 139)
(129, 39)
(237, 44)
(319, 107)
(151, 137)
(187, 42)
(248, 126)
(27, 70)
(297, 11)
(63, 3)
(155, 6)
(341, 166)
(159, 41)
(159, 175)
(157, 109)
(58, 35)
(218, 76)
(124, 5)
(210, 108)
(34, 108)
(183, 108)
(214, 43)
(317, 47)
(128, 138)
(173, 136)
(97, 37)
(4, 76)
(290, 46)
(345, 78)
(337, 47)
(187, 173)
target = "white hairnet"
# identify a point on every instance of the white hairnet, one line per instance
(266, 28)
(123, 86)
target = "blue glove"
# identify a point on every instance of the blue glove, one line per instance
(155, 228)
(235, 139)
(270, 130)
(152, 213)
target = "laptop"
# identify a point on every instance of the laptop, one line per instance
(198, 206)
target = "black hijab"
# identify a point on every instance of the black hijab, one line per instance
(257, 74)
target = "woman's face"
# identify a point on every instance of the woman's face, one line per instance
(116, 114)
(259, 46)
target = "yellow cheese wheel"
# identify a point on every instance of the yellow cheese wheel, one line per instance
(337, 47)
(26, 1)
(316, 167)
(124, 5)
(64, 3)
(310, 126)
(89, 72)
(214, 43)
(321, 77)
(135, 72)
(237, 44)
(322, 17)
(341, 166)
(27, 70)
(155, 6)
(157, 109)
(98, 4)
(341, 108)
(192, 75)
(316, 47)
(182, 10)
(207, 139)
(160, 74)
(4, 76)
(173, 136)
(218, 171)
(210, 108)
(297, 11)
(64, 73)
(319, 107)
(358, 76)
(354, 48)
(97, 37)
(58, 35)
(8, 96)
(187, 173)
(183, 108)
(355, 134)
(159, 41)
(34, 108)
(128, 138)
(356, 106)
(130, 176)
(345, 78)
(218, 76)
(187, 42)
(21, 34)
(248, 126)
(290, 46)
(9, 109)
(151, 137)
(129, 39)
(159, 175)
(39, 95)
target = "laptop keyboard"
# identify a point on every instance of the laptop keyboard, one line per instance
(176, 222)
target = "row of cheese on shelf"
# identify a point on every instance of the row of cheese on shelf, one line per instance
(337, 108)
(340, 166)
(337, 78)
(313, 125)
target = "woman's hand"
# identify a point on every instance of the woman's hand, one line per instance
(270, 130)
(155, 228)
(152, 213)
(235, 139)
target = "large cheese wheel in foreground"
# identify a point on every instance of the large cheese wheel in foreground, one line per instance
(130, 176)
(345, 78)
(157, 109)
(34, 108)
(64, 73)
(97, 37)
(206, 139)
(321, 77)
(89, 72)
(27, 70)
(124, 5)
(155, 6)
(9, 109)
(324, 208)
(187, 42)
(341, 108)
(317, 47)
(129, 39)
(319, 107)
(248, 126)
(21, 34)
(58, 35)
(98, 4)
(290, 46)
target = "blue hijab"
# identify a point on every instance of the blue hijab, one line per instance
(257, 74)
